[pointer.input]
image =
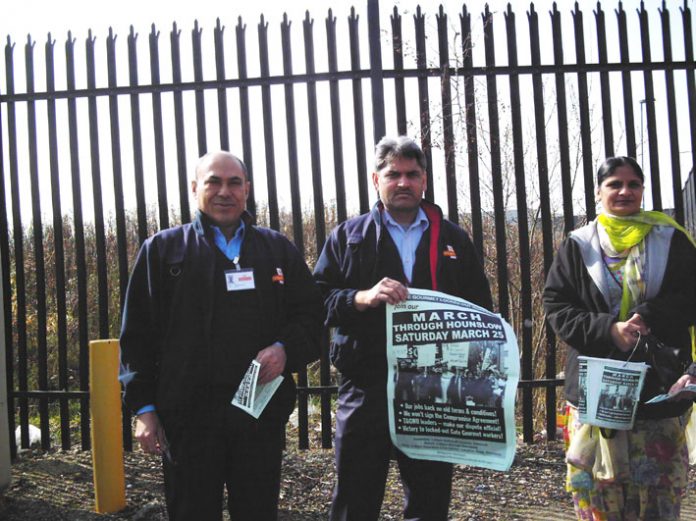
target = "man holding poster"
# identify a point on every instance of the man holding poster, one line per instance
(367, 262)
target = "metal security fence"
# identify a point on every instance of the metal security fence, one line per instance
(514, 114)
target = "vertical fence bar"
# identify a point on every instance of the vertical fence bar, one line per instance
(162, 203)
(102, 278)
(690, 83)
(525, 321)
(182, 167)
(200, 94)
(39, 262)
(471, 134)
(447, 124)
(424, 99)
(59, 250)
(358, 113)
(119, 203)
(290, 124)
(139, 178)
(80, 257)
(244, 111)
(672, 116)
(376, 71)
(496, 167)
(6, 413)
(298, 235)
(583, 104)
(7, 299)
(341, 215)
(138, 171)
(315, 144)
(18, 238)
(562, 111)
(221, 92)
(649, 102)
(627, 83)
(546, 216)
(604, 83)
(336, 127)
(273, 212)
(398, 53)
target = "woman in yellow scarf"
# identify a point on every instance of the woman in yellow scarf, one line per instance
(628, 273)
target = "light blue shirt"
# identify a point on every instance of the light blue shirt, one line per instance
(407, 238)
(231, 248)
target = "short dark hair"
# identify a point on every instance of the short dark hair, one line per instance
(612, 163)
(389, 148)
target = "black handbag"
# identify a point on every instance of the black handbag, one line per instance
(667, 365)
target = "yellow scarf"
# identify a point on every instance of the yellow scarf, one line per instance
(626, 235)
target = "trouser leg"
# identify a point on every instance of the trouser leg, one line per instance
(362, 457)
(193, 479)
(427, 488)
(253, 473)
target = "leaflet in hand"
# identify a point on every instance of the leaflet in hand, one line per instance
(662, 397)
(251, 396)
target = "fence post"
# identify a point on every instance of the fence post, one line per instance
(105, 410)
(4, 428)
(376, 71)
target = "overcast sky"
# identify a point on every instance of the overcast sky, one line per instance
(38, 17)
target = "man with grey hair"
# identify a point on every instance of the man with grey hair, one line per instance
(203, 301)
(368, 261)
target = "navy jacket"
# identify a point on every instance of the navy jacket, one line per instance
(166, 333)
(348, 263)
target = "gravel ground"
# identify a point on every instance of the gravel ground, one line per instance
(57, 485)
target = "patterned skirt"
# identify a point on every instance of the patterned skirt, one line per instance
(648, 481)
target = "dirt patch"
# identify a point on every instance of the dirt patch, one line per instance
(57, 485)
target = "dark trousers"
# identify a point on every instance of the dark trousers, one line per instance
(363, 449)
(225, 449)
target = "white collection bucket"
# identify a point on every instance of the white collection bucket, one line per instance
(609, 391)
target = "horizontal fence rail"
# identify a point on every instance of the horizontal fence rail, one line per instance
(514, 113)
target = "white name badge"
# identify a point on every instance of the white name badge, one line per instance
(239, 280)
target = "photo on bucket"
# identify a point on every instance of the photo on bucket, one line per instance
(609, 391)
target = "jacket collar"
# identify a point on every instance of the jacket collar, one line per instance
(202, 223)
(432, 211)
(434, 215)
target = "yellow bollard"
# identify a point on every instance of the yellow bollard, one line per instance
(107, 441)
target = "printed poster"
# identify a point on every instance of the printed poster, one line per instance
(453, 374)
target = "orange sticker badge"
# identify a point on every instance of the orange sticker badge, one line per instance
(278, 277)
(449, 252)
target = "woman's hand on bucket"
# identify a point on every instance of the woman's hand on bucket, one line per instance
(626, 334)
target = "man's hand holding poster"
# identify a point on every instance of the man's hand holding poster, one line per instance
(453, 374)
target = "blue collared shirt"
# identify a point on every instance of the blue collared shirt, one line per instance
(230, 249)
(407, 239)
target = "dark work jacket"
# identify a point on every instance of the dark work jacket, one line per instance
(579, 313)
(358, 254)
(166, 337)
